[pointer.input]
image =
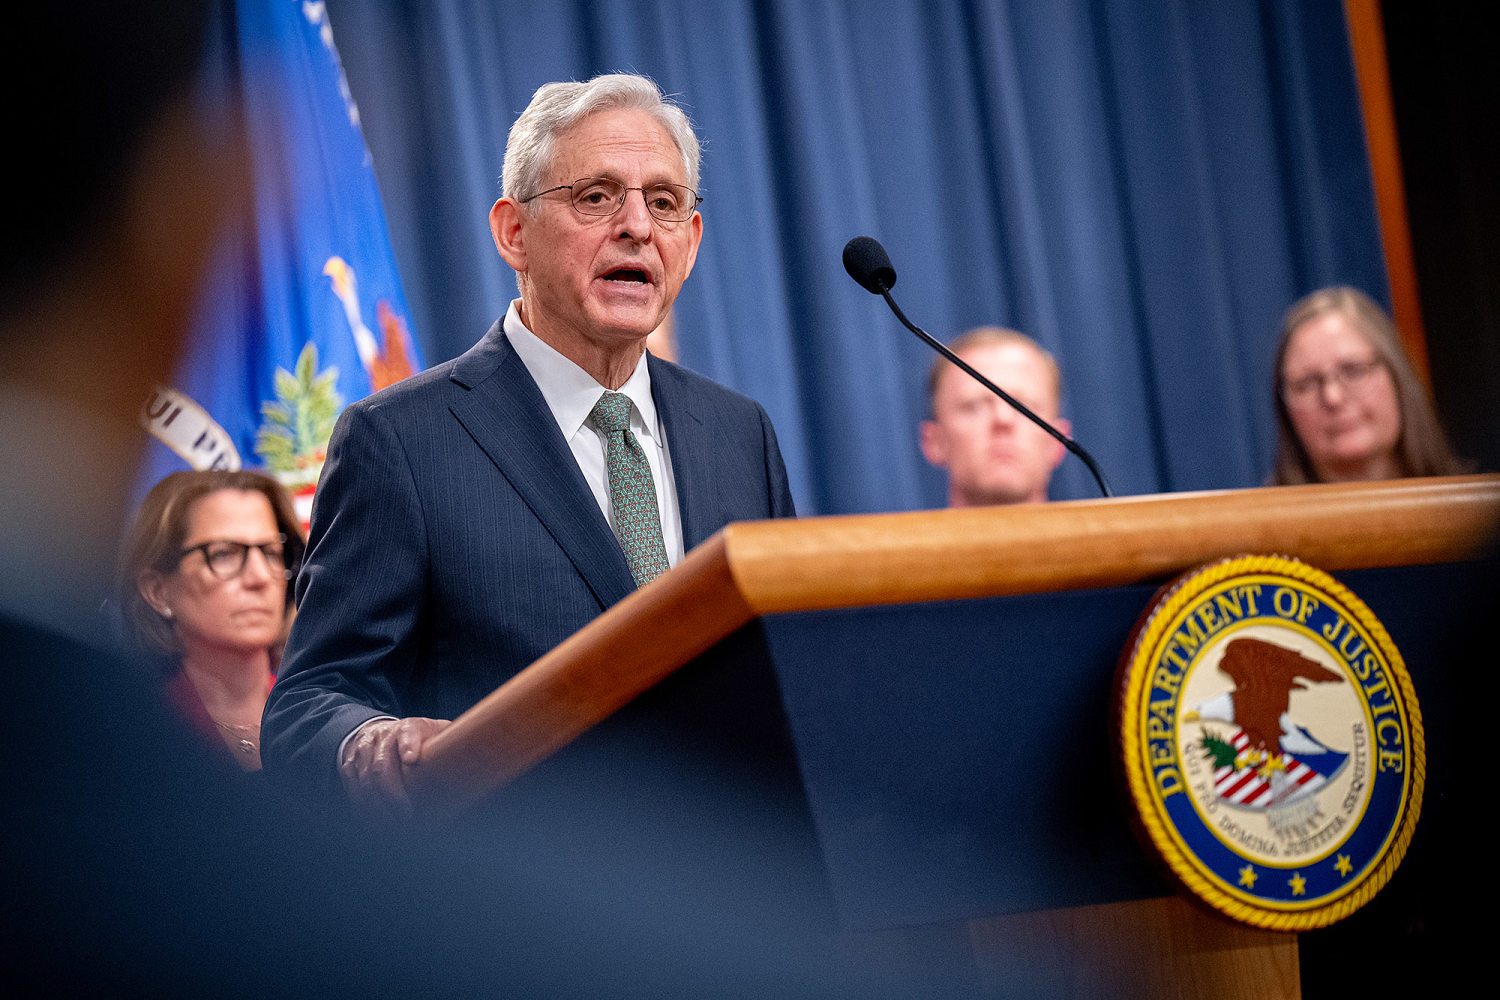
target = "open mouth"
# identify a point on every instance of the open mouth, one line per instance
(628, 275)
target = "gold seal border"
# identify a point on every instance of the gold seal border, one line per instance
(1148, 812)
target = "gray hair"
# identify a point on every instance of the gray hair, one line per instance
(557, 107)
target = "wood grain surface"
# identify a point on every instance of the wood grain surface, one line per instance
(766, 567)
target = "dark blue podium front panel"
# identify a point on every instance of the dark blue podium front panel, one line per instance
(958, 756)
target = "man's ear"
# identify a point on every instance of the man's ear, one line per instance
(934, 444)
(697, 238)
(505, 225)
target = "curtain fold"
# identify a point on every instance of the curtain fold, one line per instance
(1142, 187)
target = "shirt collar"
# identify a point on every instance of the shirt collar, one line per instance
(570, 391)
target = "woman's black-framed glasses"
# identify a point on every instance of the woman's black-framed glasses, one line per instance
(601, 196)
(226, 560)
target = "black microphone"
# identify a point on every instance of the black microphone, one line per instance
(867, 263)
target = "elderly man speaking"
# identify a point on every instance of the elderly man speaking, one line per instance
(472, 517)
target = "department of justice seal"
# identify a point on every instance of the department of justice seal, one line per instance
(1270, 741)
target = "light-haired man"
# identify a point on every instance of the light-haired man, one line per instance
(472, 517)
(992, 453)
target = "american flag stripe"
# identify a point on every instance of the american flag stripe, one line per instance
(1303, 779)
(1246, 786)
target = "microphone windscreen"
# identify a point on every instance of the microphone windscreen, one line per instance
(866, 261)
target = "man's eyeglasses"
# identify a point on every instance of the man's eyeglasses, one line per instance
(1305, 392)
(227, 560)
(600, 196)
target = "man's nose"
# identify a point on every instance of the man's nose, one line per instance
(633, 219)
(1002, 412)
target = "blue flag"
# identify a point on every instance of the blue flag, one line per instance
(305, 313)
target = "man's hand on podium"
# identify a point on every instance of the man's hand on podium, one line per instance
(377, 761)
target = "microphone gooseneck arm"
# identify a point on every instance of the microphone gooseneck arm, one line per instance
(867, 263)
(942, 349)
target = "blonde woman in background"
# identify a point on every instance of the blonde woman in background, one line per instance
(1349, 407)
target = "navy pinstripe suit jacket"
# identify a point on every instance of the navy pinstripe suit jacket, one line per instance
(454, 541)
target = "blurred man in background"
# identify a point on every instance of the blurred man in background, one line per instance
(992, 453)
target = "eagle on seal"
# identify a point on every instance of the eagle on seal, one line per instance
(1265, 675)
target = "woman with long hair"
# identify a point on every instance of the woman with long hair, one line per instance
(1348, 404)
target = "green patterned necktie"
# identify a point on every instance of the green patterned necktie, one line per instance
(632, 493)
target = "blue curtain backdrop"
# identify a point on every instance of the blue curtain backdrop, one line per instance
(1143, 187)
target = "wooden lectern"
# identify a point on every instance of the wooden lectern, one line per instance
(946, 679)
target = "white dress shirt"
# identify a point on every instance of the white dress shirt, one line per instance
(571, 393)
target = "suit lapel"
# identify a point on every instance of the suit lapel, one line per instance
(507, 416)
(692, 448)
